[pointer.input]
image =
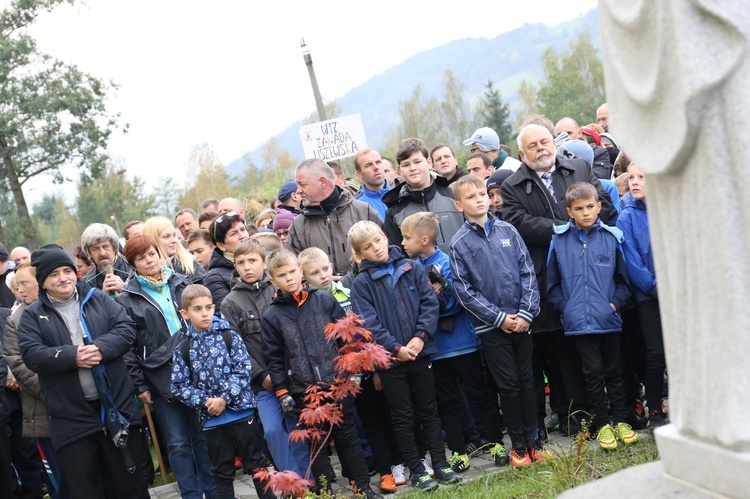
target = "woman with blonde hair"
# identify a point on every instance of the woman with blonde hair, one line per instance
(171, 251)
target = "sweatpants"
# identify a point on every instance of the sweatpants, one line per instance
(469, 369)
(94, 467)
(650, 317)
(410, 390)
(508, 357)
(221, 442)
(600, 360)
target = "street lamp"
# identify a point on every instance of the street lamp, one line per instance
(313, 81)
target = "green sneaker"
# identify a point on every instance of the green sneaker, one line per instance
(625, 434)
(606, 437)
(459, 462)
(499, 455)
(424, 482)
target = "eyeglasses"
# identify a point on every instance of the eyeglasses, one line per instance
(282, 232)
(223, 217)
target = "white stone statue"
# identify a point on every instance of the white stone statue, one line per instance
(677, 76)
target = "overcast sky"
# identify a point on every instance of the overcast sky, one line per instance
(231, 73)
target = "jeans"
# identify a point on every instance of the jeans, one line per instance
(186, 445)
(286, 455)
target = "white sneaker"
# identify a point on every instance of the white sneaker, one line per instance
(399, 474)
(427, 468)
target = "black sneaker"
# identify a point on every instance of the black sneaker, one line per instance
(656, 419)
(447, 476)
(424, 482)
(478, 447)
(368, 493)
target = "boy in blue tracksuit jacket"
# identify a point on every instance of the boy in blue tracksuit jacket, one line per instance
(394, 298)
(215, 381)
(495, 281)
(639, 257)
(459, 351)
(587, 283)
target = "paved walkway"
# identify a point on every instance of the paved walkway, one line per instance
(480, 465)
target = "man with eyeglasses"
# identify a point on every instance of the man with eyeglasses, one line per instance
(226, 231)
(602, 116)
(485, 140)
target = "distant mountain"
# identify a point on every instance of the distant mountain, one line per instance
(506, 60)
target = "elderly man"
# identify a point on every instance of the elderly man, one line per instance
(73, 337)
(534, 201)
(486, 140)
(186, 222)
(327, 216)
(111, 270)
(230, 205)
(368, 166)
(20, 255)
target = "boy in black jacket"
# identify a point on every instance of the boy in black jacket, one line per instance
(292, 334)
(243, 308)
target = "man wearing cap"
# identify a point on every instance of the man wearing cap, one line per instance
(7, 298)
(368, 166)
(111, 270)
(327, 216)
(486, 140)
(291, 201)
(71, 329)
(186, 222)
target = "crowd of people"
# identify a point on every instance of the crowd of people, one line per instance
(499, 290)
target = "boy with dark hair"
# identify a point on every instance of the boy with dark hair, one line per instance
(385, 278)
(419, 192)
(243, 309)
(496, 283)
(458, 354)
(294, 342)
(587, 283)
(214, 378)
(226, 231)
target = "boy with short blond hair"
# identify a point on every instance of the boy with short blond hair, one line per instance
(221, 393)
(243, 309)
(387, 277)
(495, 282)
(458, 354)
(587, 283)
(298, 355)
(318, 272)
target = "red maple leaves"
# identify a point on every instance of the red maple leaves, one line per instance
(358, 354)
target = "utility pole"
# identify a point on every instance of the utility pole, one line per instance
(313, 81)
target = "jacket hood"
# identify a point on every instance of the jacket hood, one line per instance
(598, 225)
(345, 199)
(218, 260)
(404, 194)
(394, 253)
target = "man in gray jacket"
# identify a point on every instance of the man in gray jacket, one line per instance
(327, 214)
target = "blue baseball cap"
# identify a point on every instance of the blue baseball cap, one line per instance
(286, 190)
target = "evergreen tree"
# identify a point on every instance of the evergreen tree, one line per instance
(495, 112)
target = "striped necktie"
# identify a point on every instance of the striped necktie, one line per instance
(547, 179)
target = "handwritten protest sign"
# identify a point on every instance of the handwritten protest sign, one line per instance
(333, 139)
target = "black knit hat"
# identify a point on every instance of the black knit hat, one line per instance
(48, 258)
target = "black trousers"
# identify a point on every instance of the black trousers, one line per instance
(469, 369)
(545, 360)
(26, 458)
(410, 390)
(94, 467)
(375, 416)
(600, 359)
(221, 442)
(7, 477)
(508, 357)
(650, 317)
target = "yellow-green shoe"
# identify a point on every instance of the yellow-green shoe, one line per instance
(625, 434)
(606, 437)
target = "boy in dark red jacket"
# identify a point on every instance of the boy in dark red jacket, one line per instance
(394, 298)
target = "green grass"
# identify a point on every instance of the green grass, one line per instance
(570, 468)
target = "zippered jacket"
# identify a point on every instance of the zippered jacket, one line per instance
(639, 256)
(493, 276)
(316, 228)
(218, 279)
(585, 273)
(46, 349)
(213, 371)
(151, 327)
(296, 351)
(436, 198)
(396, 306)
(243, 308)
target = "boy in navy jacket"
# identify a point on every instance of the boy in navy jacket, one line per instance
(495, 281)
(459, 354)
(587, 283)
(394, 298)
